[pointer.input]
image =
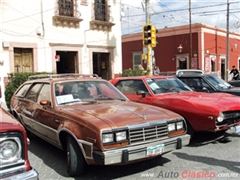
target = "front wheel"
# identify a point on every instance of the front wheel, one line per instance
(190, 130)
(75, 160)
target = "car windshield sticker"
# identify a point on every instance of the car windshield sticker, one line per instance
(65, 99)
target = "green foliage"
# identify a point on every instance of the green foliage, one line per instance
(15, 80)
(134, 72)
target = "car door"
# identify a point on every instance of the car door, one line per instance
(27, 105)
(46, 118)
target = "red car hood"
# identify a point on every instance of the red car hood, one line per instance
(223, 101)
(8, 122)
(118, 114)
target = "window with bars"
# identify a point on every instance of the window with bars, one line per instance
(66, 7)
(100, 10)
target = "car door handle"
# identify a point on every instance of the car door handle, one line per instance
(57, 121)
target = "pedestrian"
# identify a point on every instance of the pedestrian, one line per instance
(156, 70)
(235, 73)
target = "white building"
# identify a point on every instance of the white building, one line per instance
(61, 36)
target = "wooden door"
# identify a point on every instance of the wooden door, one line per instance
(23, 61)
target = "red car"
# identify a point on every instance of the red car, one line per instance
(202, 111)
(14, 162)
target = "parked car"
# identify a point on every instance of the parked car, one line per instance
(189, 71)
(14, 162)
(94, 122)
(235, 83)
(208, 83)
(202, 111)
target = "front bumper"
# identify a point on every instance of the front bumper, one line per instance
(138, 152)
(29, 175)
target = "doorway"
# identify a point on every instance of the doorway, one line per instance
(67, 62)
(101, 65)
(223, 68)
(23, 60)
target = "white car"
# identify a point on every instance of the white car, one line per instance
(189, 71)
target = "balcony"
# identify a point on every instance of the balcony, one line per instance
(101, 19)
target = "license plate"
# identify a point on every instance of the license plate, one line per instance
(237, 129)
(155, 150)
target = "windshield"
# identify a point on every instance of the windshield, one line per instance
(217, 82)
(159, 85)
(85, 91)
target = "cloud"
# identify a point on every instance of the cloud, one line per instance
(170, 13)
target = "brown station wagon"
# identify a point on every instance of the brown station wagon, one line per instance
(94, 122)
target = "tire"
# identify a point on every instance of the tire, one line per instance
(190, 130)
(75, 160)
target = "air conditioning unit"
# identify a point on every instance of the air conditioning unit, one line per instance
(5, 44)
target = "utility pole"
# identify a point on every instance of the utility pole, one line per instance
(190, 29)
(227, 45)
(149, 37)
(149, 48)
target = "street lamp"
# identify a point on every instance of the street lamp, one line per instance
(180, 48)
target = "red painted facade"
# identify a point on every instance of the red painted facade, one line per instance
(208, 49)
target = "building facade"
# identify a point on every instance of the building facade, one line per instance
(61, 36)
(198, 46)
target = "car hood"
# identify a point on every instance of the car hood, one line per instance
(119, 113)
(222, 101)
(8, 122)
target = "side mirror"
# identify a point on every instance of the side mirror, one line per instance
(44, 102)
(141, 92)
(205, 89)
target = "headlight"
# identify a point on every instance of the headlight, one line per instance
(220, 118)
(120, 136)
(180, 125)
(171, 127)
(10, 150)
(107, 138)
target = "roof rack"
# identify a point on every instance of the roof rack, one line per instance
(67, 75)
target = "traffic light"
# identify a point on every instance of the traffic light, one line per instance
(146, 34)
(149, 34)
(154, 37)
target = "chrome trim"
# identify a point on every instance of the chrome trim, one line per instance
(135, 152)
(29, 175)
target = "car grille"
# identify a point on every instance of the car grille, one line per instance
(230, 118)
(228, 121)
(147, 131)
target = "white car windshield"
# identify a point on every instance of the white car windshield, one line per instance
(159, 85)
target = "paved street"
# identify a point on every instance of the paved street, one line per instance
(204, 158)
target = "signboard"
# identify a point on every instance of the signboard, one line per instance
(194, 63)
(207, 64)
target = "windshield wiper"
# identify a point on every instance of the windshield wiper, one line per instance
(109, 98)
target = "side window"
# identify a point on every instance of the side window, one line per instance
(193, 83)
(44, 93)
(32, 94)
(23, 90)
(131, 86)
(205, 84)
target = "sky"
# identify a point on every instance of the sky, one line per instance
(171, 13)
